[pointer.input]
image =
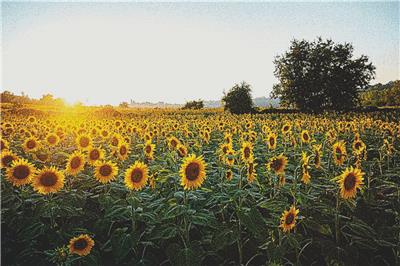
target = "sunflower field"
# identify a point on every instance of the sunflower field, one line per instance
(173, 187)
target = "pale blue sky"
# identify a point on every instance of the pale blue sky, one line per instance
(101, 53)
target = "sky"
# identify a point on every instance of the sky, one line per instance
(106, 53)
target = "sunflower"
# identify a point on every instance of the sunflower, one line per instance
(358, 147)
(75, 163)
(7, 157)
(152, 182)
(83, 141)
(251, 172)
(4, 145)
(52, 139)
(229, 175)
(278, 164)
(136, 176)
(246, 151)
(42, 155)
(339, 152)
(271, 140)
(149, 150)
(317, 155)
(182, 150)
(288, 219)
(286, 128)
(94, 155)
(123, 150)
(48, 180)
(349, 181)
(81, 245)
(21, 172)
(193, 172)
(306, 174)
(173, 142)
(105, 171)
(305, 136)
(230, 157)
(31, 144)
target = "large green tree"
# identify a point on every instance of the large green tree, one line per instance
(238, 99)
(321, 75)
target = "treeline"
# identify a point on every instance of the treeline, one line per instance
(46, 99)
(382, 94)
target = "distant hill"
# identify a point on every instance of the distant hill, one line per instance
(259, 102)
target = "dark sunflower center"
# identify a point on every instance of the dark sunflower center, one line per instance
(148, 149)
(289, 218)
(31, 144)
(114, 142)
(192, 171)
(251, 168)
(122, 150)
(21, 172)
(305, 136)
(80, 244)
(75, 162)
(349, 181)
(338, 151)
(276, 164)
(51, 139)
(246, 152)
(7, 160)
(173, 143)
(94, 155)
(272, 141)
(357, 145)
(48, 179)
(136, 176)
(2, 145)
(84, 142)
(224, 150)
(105, 170)
(286, 128)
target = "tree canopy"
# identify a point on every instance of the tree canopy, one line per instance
(238, 100)
(321, 75)
(196, 105)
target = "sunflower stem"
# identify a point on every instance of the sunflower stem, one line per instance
(337, 232)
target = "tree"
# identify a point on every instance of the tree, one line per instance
(196, 105)
(238, 100)
(321, 75)
(124, 105)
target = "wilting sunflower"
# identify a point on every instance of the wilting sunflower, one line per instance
(52, 139)
(251, 172)
(75, 163)
(81, 245)
(349, 181)
(271, 140)
(105, 171)
(31, 144)
(42, 155)
(277, 164)
(149, 150)
(247, 151)
(7, 157)
(339, 152)
(4, 145)
(288, 219)
(182, 150)
(83, 141)
(305, 136)
(136, 176)
(317, 155)
(229, 175)
(193, 172)
(21, 172)
(230, 157)
(48, 180)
